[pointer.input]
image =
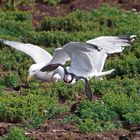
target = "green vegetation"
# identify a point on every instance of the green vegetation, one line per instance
(10, 80)
(51, 2)
(16, 134)
(119, 93)
(13, 4)
(94, 116)
(31, 109)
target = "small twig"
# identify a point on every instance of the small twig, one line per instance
(58, 130)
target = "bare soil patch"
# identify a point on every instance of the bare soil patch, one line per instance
(39, 10)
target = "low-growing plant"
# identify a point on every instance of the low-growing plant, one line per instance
(126, 107)
(16, 16)
(70, 118)
(1, 88)
(90, 110)
(133, 117)
(64, 91)
(28, 109)
(118, 93)
(93, 116)
(51, 2)
(16, 133)
(88, 125)
(116, 85)
(11, 80)
(120, 103)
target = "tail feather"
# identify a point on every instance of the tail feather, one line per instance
(100, 74)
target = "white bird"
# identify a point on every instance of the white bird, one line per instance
(41, 58)
(87, 59)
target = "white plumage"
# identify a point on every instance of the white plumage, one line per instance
(87, 59)
(41, 58)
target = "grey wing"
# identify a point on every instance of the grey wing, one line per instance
(59, 56)
(112, 44)
(38, 54)
(98, 59)
(85, 59)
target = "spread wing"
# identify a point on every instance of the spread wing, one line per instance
(88, 58)
(38, 54)
(85, 59)
(112, 44)
(59, 56)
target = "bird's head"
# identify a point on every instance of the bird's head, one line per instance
(33, 70)
(68, 78)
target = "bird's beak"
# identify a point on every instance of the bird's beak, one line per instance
(29, 78)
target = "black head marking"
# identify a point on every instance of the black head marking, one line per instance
(65, 79)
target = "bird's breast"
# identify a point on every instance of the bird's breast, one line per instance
(45, 76)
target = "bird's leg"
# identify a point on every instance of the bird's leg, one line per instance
(88, 90)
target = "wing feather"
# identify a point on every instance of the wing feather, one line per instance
(59, 56)
(85, 60)
(38, 54)
(112, 44)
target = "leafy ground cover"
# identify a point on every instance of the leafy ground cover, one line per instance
(51, 111)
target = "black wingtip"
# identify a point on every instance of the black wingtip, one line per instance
(50, 67)
(129, 38)
(133, 37)
(44, 69)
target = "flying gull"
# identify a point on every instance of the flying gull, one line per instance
(87, 59)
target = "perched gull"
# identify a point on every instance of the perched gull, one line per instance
(41, 58)
(87, 59)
